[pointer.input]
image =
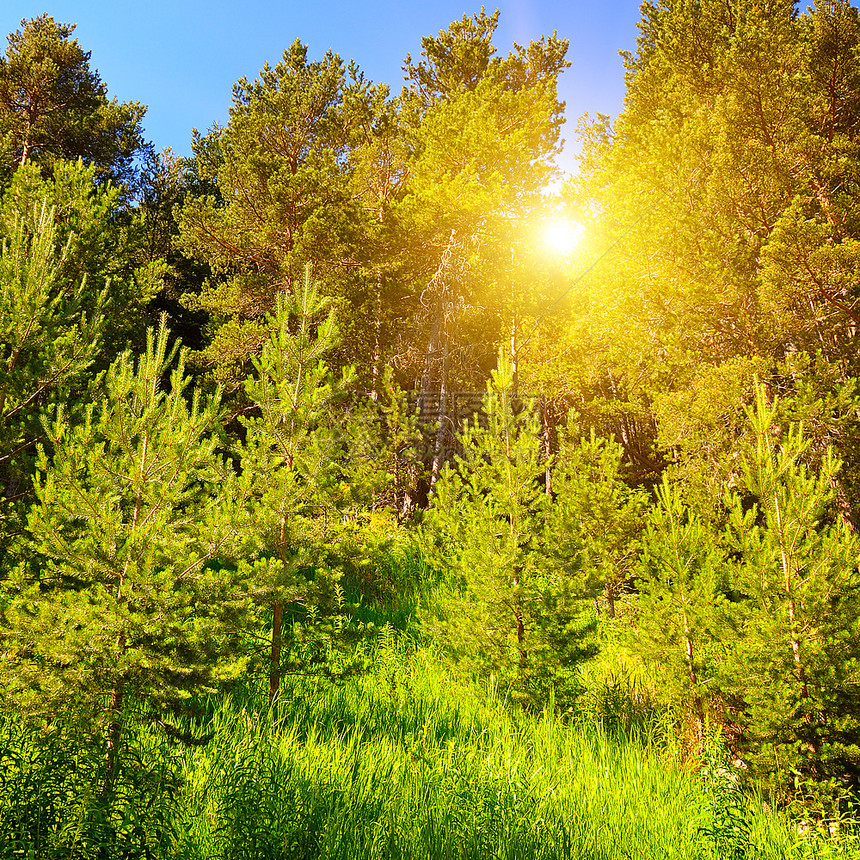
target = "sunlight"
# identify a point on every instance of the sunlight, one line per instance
(562, 236)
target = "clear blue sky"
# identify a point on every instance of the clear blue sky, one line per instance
(181, 57)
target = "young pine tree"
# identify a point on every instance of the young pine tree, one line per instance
(681, 608)
(590, 543)
(293, 461)
(117, 603)
(595, 525)
(483, 529)
(796, 660)
(50, 334)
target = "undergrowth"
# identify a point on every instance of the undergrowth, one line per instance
(402, 762)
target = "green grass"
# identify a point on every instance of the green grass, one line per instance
(408, 764)
(401, 763)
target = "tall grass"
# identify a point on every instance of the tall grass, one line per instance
(51, 804)
(404, 762)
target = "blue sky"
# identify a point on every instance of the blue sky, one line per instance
(181, 57)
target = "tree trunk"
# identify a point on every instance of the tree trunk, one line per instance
(521, 627)
(844, 506)
(439, 448)
(698, 705)
(376, 369)
(548, 433)
(114, 738)
(275, 654)
(514, 368)
(429, 365)
(521, 636)
(793, 624)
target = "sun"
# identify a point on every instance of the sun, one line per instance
(562, 236)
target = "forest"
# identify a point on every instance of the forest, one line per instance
(340, 519)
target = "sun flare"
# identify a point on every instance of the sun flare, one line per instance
(562, 236)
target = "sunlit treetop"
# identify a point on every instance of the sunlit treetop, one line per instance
(54, 106)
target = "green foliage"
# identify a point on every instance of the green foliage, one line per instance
(293, 462)
(391, 199)
(68, 298)
(796, 657)
(481, 530)
(681, 611)
(116, 599)
(726, 174)
(594, 526)
(92, 235)
(406, 762)
(730, 827)
(482, 132)
(150, 570)
(163, 182)
(51, 326)
(446, 790)
(284, 198)
(54, 107)
(49, 806)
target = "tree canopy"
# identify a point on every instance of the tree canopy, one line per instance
(53, 106)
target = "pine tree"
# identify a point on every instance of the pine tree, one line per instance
(795, 662)
(725, 179)
(53, 106)
(51, 329)
(68, 298)
(292, 461)
(683, 576)
(282, 170)
(117, 604)
(482, 132)
(595, 524)
(483, 529)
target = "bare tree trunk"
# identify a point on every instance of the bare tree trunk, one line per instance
(275, 653)
(25, 149)
(698, 706)
(609, 594)
(429, 365)
(439, 444)
(438, 341)
(514, 368)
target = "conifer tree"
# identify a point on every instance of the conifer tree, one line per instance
(482, 131)
(795, 661)
(68, 296)
(282, 170)
(53, 106)
(117, 604)
(683, 577)
(726, 181)
(51, 330)
(292, 460)
(482, 530)
(595, 525)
